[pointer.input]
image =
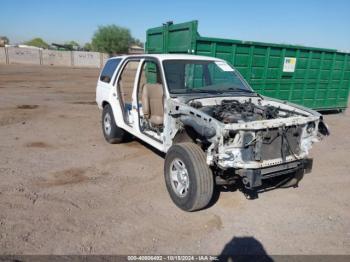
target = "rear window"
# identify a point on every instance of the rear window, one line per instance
(109, 69)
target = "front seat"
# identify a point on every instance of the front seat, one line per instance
(152, 103)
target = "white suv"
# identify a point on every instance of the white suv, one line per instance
(212, 126)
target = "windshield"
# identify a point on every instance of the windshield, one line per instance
(199, 76)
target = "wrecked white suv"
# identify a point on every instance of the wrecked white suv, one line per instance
(214, 129)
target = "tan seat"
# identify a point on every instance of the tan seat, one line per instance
(142, 83)
(152, 103)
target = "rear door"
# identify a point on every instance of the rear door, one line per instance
(126, 83)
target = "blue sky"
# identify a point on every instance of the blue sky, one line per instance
(319, 23)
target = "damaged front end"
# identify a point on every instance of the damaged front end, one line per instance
(250, 138)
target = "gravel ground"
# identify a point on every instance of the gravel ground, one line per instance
(64, 190)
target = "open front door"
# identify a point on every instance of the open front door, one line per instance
(150, 100)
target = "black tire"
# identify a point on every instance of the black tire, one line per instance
(200, 177)
(113, 134)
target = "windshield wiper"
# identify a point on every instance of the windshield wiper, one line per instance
(220, 91)
(205, 91)
(241, 90)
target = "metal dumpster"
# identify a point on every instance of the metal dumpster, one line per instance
(314, 77)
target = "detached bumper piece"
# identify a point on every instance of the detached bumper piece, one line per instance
(253, 178)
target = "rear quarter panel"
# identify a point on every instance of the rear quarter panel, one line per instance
(103, 89)
(102, 93)
(107, 93)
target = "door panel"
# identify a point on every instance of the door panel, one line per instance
(125, 87)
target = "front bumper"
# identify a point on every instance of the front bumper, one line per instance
(253, 178)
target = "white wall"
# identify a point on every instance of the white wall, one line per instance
(86, 59)
(19, 55)
(2, 55)
(56, 58)
(23, 56)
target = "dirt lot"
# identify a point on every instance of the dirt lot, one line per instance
(64, 190)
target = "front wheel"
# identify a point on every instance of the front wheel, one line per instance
(188, 178)
(112, 133)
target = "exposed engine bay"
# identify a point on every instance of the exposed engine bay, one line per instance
(256, 137)
(234, 111)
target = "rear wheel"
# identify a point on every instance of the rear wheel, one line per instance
(188, 178)
(112, 133)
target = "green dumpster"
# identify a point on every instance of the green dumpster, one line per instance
(314, 77)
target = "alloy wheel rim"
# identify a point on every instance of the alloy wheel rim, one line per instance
(179, 177)
(107, 123)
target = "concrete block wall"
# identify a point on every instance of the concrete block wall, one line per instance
(104, 58)
(3, 57)
(23, 56)
(56, 58)
(17, 55)
(86, 59)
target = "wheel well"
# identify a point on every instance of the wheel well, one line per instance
(104, 103)
(187, 134)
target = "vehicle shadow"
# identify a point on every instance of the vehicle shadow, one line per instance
(331, 112)
(244, 249)
(268, 185)
(149, 147)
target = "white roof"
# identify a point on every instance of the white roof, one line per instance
(173, 57)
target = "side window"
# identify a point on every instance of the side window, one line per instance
(108, 70)
(126, 81)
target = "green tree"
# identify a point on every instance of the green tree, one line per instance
(111, 39)
(72, 44)
(4, 40)
(87, 47)
(137, 42)
(38, 42)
